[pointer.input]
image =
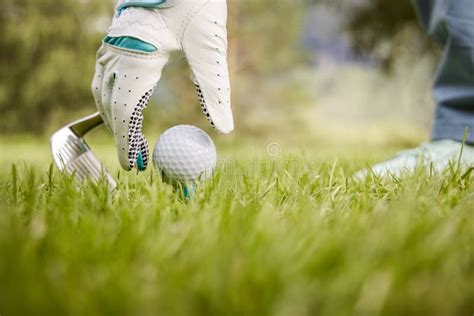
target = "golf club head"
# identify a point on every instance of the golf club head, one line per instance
(72, 154)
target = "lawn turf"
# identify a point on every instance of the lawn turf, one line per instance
(290, 235)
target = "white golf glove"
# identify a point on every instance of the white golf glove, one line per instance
(125, 77)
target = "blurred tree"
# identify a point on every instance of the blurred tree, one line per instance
(265, 51)
(384, 29)
(265, 35)
(47, 51)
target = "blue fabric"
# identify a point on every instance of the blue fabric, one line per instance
(140, 3)
(451, 24)
(130, 43)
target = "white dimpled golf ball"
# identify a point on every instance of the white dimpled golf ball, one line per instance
(185, 154)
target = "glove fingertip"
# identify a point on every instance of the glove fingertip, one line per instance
(223, 126)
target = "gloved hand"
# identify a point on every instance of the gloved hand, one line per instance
(131, 59)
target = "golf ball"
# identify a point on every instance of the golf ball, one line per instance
(185, 154)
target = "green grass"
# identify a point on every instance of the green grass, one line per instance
(285, 236)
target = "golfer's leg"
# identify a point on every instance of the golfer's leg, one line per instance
(451, 23)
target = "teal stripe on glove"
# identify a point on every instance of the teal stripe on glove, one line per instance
(140, 3)
(130, 43)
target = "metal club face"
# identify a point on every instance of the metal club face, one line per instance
(72, 154)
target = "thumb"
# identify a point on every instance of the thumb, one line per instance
(205, 47)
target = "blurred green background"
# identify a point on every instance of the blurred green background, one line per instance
(305, 74)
